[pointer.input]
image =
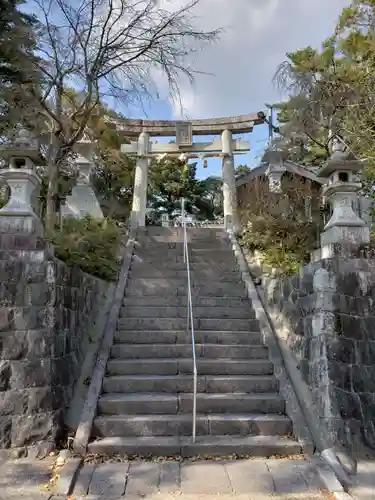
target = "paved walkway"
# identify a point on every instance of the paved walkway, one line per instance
(238, 479)
(254, 479)
(248, 479)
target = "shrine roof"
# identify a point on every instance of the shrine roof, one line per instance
(291, 167)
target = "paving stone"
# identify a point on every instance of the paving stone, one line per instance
(28, 496)
(288, 476)
(109, 479)
(83, 480)
(229, 496)
(365, 487)
(24, 477)
(143, 478)
(67, 476)
(170, 479)
(312, 477)
(206, 477)
(94, 497)
(250, 476)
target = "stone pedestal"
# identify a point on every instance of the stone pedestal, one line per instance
(82, 203)
(231, 220)
(18, 216)
(138, 215)
(18, 221)
(344, 226)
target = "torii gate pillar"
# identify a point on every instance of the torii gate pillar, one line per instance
(138, 215)
(231, 219)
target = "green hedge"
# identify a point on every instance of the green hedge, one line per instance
(90, 244)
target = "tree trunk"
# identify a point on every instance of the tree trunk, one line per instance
(112, 207)
(51, 195)
(53, 163)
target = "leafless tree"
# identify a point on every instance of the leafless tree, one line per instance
(101, 49)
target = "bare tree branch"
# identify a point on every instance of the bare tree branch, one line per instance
(103, 48)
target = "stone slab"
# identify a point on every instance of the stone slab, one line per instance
(170, 477)
(143, 478)
(208, 477)
(84, 477)
(364, 489)
(24, 477)
(250, 476)
(288, 476)
(67, 475)
(109, 479)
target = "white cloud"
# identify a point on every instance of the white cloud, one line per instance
(243, 62)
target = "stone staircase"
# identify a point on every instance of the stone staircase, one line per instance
(146, 402)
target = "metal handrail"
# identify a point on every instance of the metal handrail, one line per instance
(190, 319)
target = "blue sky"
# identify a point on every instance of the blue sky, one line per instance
(237, 71)
(240, 67)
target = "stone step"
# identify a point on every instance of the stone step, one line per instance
(181, 424)
(232, 324)
(161, 265)
(150, 272)
(175, 250)
(153, 403)
(201, 232)
(168, 282)
(181, 275)
(208, 260)
(184, 383)
(145, 351)
(205, 446)
(141, 288)
(178, 247)
(171, 366)
(196, 292)
(184, 337)
(179, 241)
(160, 301)
(142, 311)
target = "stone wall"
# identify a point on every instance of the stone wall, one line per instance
(326, 317)
(47, 312)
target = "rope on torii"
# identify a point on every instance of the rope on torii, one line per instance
(184, 157)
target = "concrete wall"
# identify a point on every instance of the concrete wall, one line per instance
(49, 316)
(326, 318)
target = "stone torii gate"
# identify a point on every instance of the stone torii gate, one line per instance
(225, 147)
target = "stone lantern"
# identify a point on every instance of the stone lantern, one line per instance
(83, 202)
(341, 191)
(22, 155)
(276, 169)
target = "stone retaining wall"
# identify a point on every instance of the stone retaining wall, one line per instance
(326, 317)
(47, 312)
